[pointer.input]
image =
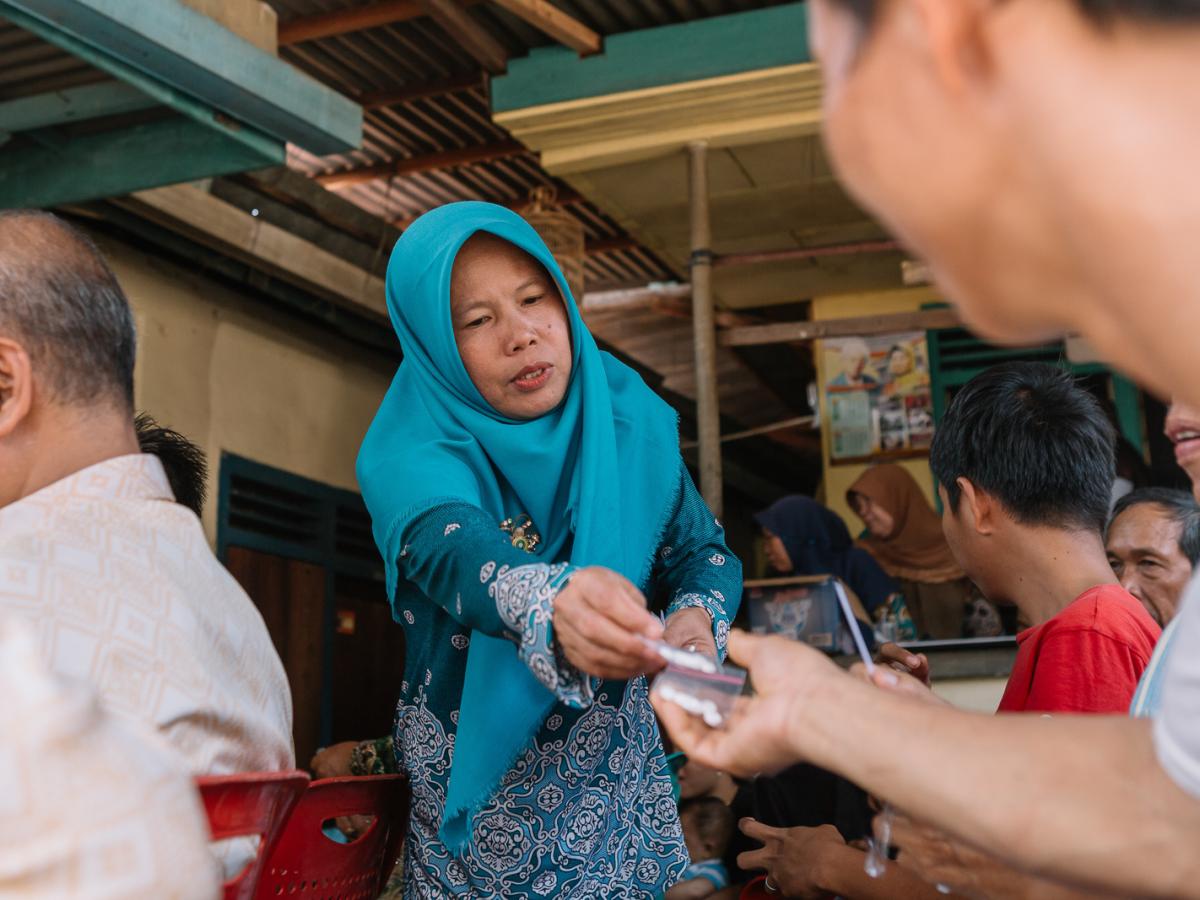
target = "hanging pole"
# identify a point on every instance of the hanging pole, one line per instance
(708, 414)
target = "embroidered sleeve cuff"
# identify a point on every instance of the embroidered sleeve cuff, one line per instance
(524, 598)
(712, 602)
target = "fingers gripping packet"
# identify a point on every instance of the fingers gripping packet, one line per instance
(698, 683)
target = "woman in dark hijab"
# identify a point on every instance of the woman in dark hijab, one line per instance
(805, 538)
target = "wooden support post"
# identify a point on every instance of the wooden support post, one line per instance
(708, 414)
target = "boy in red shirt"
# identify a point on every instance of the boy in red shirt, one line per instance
(1024, 464)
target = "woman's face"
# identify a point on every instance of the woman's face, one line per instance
(511, 327)
(877, 519)
(777, 555)
(899, 363)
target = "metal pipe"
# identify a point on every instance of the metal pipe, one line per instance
(708, 413)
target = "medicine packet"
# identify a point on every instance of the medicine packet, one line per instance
(698, 683)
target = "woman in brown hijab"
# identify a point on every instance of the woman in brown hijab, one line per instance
(905, 537)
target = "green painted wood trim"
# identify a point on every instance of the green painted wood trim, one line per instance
(163, 93)
(324, 553)
(672, 54)
(1128, 401)
(72, 105)
(120, 162)
(182, 48)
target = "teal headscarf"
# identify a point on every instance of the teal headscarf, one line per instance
(598, 474)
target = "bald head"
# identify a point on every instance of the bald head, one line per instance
(62, 303)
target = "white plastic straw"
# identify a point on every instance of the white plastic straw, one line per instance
(852, 624)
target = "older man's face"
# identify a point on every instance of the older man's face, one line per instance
(1143, 550)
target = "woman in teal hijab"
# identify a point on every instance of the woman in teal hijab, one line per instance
(528, 496)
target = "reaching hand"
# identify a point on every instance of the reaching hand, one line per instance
(898, 682)
(793, 858)
(756, 737)
(914, 664)
(332, 761)
(691, 629)
(598, 618)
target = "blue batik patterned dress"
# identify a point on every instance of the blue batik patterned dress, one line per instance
(586, 810)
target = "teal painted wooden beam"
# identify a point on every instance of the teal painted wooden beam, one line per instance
(181, 48)
(653, 57)
(120, 162)
(79, 104)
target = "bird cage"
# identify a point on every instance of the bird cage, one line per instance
(562, 233)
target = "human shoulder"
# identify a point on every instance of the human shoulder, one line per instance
(1108, 610)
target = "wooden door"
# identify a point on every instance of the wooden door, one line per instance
(291, 597)
(368, 661)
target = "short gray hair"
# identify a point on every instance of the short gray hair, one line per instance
(60, 299)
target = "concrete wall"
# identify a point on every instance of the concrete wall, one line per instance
(838, 477)
(233, 375)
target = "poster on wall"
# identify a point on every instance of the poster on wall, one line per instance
(877, 396)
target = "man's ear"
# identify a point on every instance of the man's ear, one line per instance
(954, 35)
(16, 386)
(976, 508)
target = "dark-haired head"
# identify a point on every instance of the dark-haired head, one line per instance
(708, 825)
(1031, 438)
(62, 303)
(185, 463)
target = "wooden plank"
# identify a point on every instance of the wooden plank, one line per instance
(757, 106)
(655, 57)
(475, 39)
(610, 245)
(108, 98)
(177, 46)
(421, 91)
(553, 22)
(299, 191)
(219, 225)
(786, 332)
(112, 163)
(356, 18)
(444, 159)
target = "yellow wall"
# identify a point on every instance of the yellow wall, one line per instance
(233, 375)
(837, 478)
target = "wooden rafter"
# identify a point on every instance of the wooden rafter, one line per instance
(786, 332)
(444, 159)
(356, 18)
(611, 245)
(565, 197)
(421, 91)
(454, 19)
(552, 21)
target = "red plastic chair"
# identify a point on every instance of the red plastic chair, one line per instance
(756, 890)
(250, 804)
(308, 863)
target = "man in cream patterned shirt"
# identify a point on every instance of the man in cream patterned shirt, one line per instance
(90, 807)
(114, 578)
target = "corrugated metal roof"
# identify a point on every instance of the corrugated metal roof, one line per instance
(418, 51)
(30, 66)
